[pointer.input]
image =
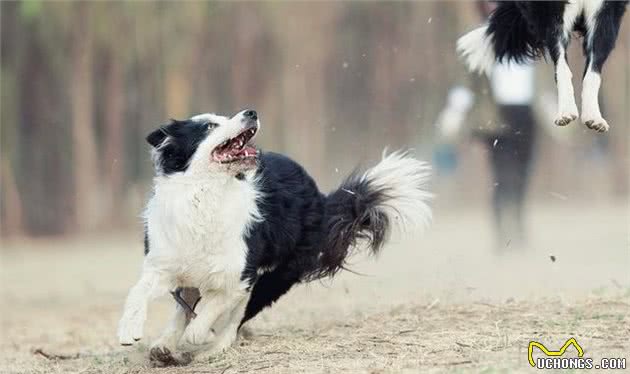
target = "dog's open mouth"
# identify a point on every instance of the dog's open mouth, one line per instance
(238, 148)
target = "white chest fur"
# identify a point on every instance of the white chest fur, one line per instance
(196, 229)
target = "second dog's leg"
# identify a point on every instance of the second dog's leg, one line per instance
(599, 42)
(567, 109)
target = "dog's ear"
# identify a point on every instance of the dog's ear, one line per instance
(156, 137)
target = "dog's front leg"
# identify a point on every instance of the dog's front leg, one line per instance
(131, 325)
(163, 351)
(209, 309)
(227, 333)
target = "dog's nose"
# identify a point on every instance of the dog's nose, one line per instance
(251, 114)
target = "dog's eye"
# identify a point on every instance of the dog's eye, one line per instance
(212, 125)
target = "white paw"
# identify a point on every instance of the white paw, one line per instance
(598, 123)
(196, 334)
(564, 118)
(130, 328)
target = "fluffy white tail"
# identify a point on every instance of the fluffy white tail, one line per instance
(365, 208)
(403, 180)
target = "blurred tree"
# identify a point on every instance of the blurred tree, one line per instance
(84, 82)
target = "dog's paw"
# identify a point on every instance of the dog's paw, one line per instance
(564, 118)
(160, 356)
(130, 330)
(597, 124)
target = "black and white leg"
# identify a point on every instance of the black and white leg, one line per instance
(599, 42)
(131, 325)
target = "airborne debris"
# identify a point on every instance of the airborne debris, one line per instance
(434, 303)
(553, 258)
(558, 195)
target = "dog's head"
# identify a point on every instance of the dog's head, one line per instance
(206, 143)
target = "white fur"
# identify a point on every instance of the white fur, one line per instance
(591, 114)
(405, 180)
(567, 109)
(477, 50)
(196, 220)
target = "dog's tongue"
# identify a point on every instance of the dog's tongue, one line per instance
(249, 149)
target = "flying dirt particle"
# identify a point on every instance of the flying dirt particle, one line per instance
(430, 19)
(553, 258)
(558, 195)
(495, 143)
(434, 303)
(345, 65)
(337, 170)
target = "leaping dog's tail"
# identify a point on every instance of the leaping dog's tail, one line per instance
(507, 36)
(365, 208)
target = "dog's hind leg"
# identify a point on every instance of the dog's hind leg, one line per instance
(162, 352)
(567, 109)
(599, 41)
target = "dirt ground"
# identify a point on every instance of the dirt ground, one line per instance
(442, 301)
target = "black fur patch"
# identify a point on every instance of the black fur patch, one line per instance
(176, 143)
(305, 235)
(527, 30)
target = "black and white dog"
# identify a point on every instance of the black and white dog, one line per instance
(525, 30)
(243, 226)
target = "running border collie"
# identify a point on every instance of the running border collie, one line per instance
(232, 228)
(526, 30)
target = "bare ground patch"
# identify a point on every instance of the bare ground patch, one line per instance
(457, 337)
(444, 301)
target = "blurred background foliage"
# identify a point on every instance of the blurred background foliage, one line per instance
(334, 82)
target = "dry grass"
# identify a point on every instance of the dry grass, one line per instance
(434, 303)
(473, 336)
